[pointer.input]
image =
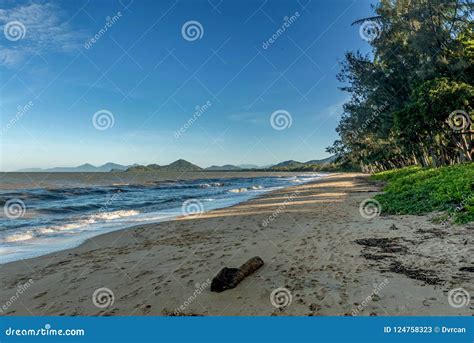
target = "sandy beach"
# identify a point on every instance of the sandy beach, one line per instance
(312, 238)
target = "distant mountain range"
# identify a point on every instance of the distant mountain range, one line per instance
(224, 167)
(176, 166)
(230, 167)
(81, 169)
(180, 166)
(296, 164)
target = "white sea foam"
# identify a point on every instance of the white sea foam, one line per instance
(213, 184)
(78, 224)
(18, 236)
(243, 190)
(114, 215)
(256, 187)
(238, 190)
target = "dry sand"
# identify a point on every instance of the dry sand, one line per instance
(315, 245)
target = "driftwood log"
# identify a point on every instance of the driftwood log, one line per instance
(230, 277)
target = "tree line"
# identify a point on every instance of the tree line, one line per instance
(412, 97)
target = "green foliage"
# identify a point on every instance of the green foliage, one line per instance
(329, 167)
(401, 97)
(416, 190)
(396, 173)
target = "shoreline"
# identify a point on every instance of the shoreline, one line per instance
(170, 214)
(317, 245)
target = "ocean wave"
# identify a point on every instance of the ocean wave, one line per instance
(238, 190)
(78, 224)
(114, 214)
(19, 236)
(245, 189)
(212, 184)
(69, 209)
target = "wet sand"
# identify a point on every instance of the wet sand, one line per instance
(329, 259)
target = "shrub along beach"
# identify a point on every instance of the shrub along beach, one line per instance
(416, 190)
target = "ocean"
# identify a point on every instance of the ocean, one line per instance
(47, 212)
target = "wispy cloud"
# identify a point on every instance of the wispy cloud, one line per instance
(45, 29)
(335, 109)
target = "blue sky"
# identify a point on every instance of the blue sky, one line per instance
(150, 79)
